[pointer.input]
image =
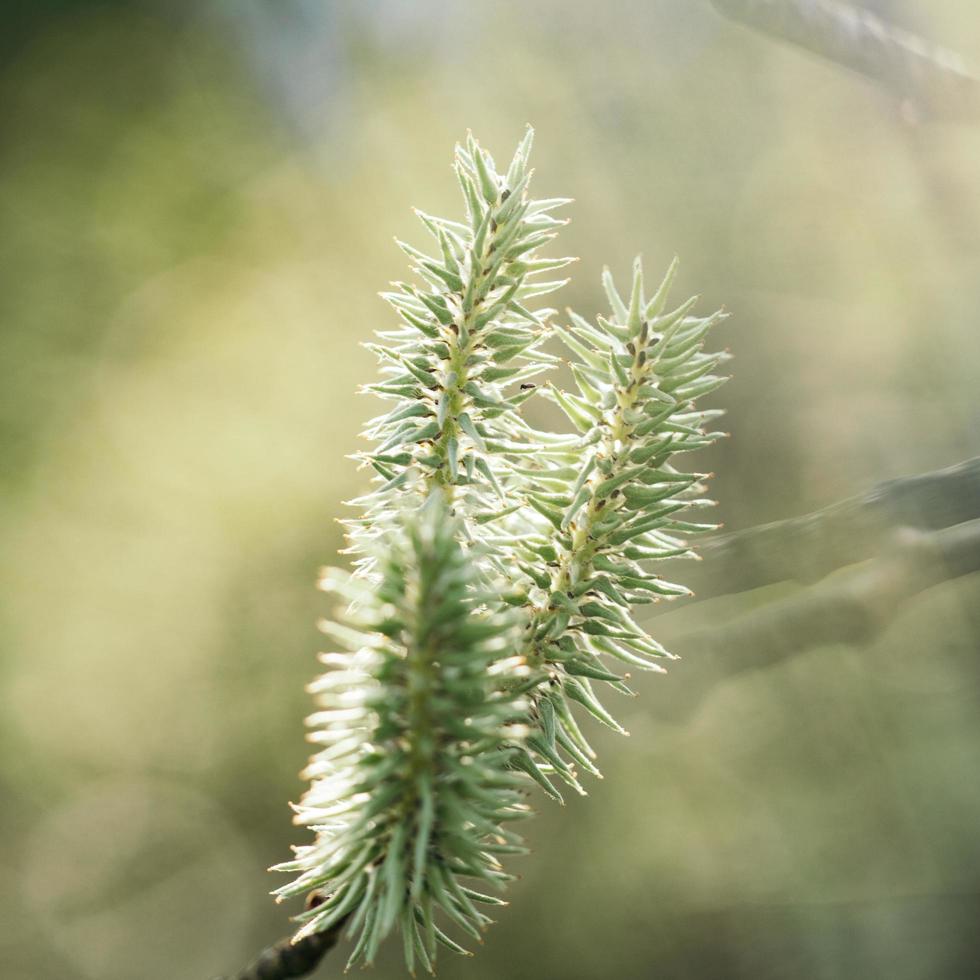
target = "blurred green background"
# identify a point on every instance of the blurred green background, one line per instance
(197, 203)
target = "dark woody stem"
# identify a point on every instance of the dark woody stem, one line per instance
(285, 959)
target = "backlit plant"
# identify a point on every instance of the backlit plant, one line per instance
(496, 565)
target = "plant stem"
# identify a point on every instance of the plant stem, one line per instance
(934, 79)
(286, 960)
(575, 561)
(806, 548)
(851, 608)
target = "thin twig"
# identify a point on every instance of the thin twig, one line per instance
(933, 79)
(805, 549)
(849, 608)
(286, 960)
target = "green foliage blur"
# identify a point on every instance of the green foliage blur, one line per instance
(197, 204)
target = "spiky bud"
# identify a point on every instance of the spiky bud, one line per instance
(411, 784)
(601, 521)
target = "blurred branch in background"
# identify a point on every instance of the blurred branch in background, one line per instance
(929, 79)
(804, 549)
(907, 534)
(851, 608)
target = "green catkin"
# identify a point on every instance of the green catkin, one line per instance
(412, 787)
(460, 365)
(638, 374)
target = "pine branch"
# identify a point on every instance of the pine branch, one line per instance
(934, 79)
(850, 608)
(806, 548)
